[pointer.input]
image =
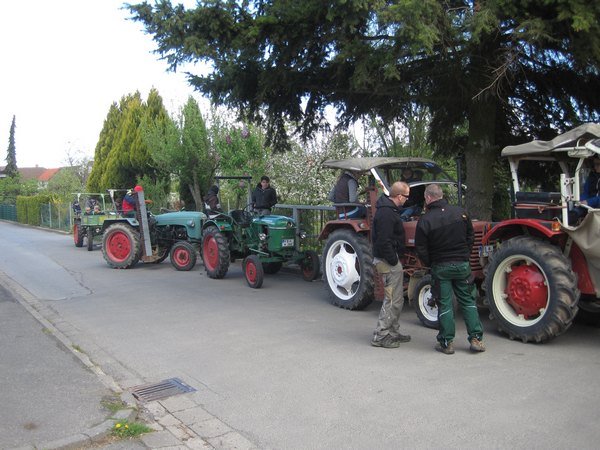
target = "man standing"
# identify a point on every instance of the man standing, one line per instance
(264, 197)
(443, 241)
(388, 248)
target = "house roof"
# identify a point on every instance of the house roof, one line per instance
(35, 173)
(47, 174)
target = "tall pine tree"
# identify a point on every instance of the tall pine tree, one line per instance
(11, 157)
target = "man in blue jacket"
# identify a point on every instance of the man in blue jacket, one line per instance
(388, 249)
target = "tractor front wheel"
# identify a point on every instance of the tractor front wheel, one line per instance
(253, 271)
(349, 275)
(215, 253)
(531, 290)
(121, 246)
(426, 309)
(310, 266)
(90, 239)
(183, 256)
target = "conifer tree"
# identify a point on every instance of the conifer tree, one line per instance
(11, 157)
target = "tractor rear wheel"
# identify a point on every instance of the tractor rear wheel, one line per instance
(183, 256)
(422, 296)
(253, 271)
(531, 290)
(348, 261)
(121, 246)
(311, 268)
(77, 234)
(215, 253)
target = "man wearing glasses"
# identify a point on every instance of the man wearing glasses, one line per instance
(388, 249)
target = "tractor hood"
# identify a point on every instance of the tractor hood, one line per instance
(191, 219)
(272, 221)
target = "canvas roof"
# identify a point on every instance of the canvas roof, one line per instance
(581, 134)
(364, 164)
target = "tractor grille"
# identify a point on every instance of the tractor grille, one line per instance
(160, 390)
(474, 260)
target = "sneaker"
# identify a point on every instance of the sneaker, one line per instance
(388, 341)
(477, 345)
(447, 350)
(402, 338)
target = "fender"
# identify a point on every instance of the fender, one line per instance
(357, 225)
(517, 227)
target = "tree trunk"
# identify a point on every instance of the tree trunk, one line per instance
(480, 156)
(196, 194)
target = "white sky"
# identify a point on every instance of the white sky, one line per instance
(64, 63)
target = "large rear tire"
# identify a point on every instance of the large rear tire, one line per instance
(531, 290)
(349, 275)
(183, 256)
(121, 246)
(215, 253)
(77, 234)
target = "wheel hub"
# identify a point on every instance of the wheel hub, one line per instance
(526, 290)
(339, 271)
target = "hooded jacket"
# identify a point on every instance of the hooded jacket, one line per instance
(264, 198)
(388, 232)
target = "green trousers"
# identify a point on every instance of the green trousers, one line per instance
(449, 278)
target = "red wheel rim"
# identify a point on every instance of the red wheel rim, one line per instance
(526, 290)
(118, 246)
(251, 272)
(308, 267)
(181, 256)
(211, 253)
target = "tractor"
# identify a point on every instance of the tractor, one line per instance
(128, 239)
(350, 276)
(88, 220)
(544, 263)
(264, 242)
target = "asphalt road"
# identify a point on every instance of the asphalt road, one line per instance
(289, 371)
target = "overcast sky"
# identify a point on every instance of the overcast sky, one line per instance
(64, 63)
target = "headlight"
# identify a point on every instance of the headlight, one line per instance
(262, 236)
(302, 234)
(191, 223)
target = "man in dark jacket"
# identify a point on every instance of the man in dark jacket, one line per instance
(443, 241)
(211, 200)
(345, 191)
(264, 197)
(388, 248)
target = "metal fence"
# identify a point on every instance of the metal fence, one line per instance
(8, 212)
(56, 216)
(309, 219)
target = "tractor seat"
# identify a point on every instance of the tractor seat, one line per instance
(241, 217)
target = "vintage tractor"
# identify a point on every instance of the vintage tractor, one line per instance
(264, 242)
(350, 276)
(544, 264)
(89, 213)
(152, 238)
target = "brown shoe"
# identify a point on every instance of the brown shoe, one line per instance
(447, 350)
(477, 345)
(388, 341)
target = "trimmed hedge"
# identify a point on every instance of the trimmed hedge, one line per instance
(28, 208)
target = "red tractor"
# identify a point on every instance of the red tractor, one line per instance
(544, 264)
(349, 274)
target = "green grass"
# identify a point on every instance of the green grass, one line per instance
(125, 429)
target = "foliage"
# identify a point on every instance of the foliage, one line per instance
(80, 164)
(11, 187)
(122, 155)
(157, 192)
(489, 72)
(28, 207)
(11, 154)
(182, 148)
(65, 182)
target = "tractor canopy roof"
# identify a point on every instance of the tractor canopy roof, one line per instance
(572, 141)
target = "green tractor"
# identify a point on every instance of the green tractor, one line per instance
(149, 238)
(89, 213)
(265, 242)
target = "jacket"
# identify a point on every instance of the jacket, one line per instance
(444, 234)
(264, 198)
(591, 190)
(345, 190)
(388, 232)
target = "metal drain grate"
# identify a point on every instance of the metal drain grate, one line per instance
(162, 389)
